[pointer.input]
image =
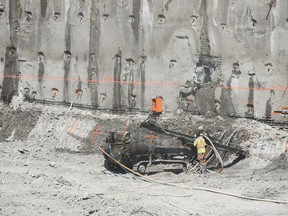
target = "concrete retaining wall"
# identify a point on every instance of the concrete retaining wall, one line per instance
(227, 56)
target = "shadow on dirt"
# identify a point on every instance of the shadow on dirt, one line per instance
(235, 161)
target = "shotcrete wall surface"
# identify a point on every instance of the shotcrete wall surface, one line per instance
(227, 56)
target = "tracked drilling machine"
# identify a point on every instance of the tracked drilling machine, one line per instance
(145, 158)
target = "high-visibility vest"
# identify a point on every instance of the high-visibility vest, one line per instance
(200, 144)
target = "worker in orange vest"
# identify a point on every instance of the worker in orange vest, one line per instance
(200, 144)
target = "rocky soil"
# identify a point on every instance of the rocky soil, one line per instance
(50, 165)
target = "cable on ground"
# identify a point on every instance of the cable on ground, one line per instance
(193, 188)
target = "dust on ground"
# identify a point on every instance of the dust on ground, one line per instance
(50, 165)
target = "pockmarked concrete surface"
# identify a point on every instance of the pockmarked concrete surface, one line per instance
(50, 165)
(228, 56)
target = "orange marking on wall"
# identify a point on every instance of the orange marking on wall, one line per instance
(109, 78)
(151, 137)
(279, 87)
(282, 110)
(275, 113)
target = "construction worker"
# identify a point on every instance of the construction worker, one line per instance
(200, 144)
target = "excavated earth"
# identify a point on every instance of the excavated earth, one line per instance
(50, 165)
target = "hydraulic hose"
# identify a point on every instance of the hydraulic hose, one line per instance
(215, 151)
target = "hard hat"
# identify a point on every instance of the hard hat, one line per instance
(200, 128)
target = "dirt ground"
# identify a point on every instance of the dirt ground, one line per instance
(50, 165)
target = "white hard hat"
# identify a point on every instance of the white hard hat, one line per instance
(200, 128)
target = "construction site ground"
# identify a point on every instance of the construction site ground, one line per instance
(50, 165)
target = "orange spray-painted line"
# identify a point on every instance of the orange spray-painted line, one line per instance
(71, 128)
(90, 80)
(95, 133)
(250, 137)
(151, 137)
(58, 78)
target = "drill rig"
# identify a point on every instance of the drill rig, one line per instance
(144, 158)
